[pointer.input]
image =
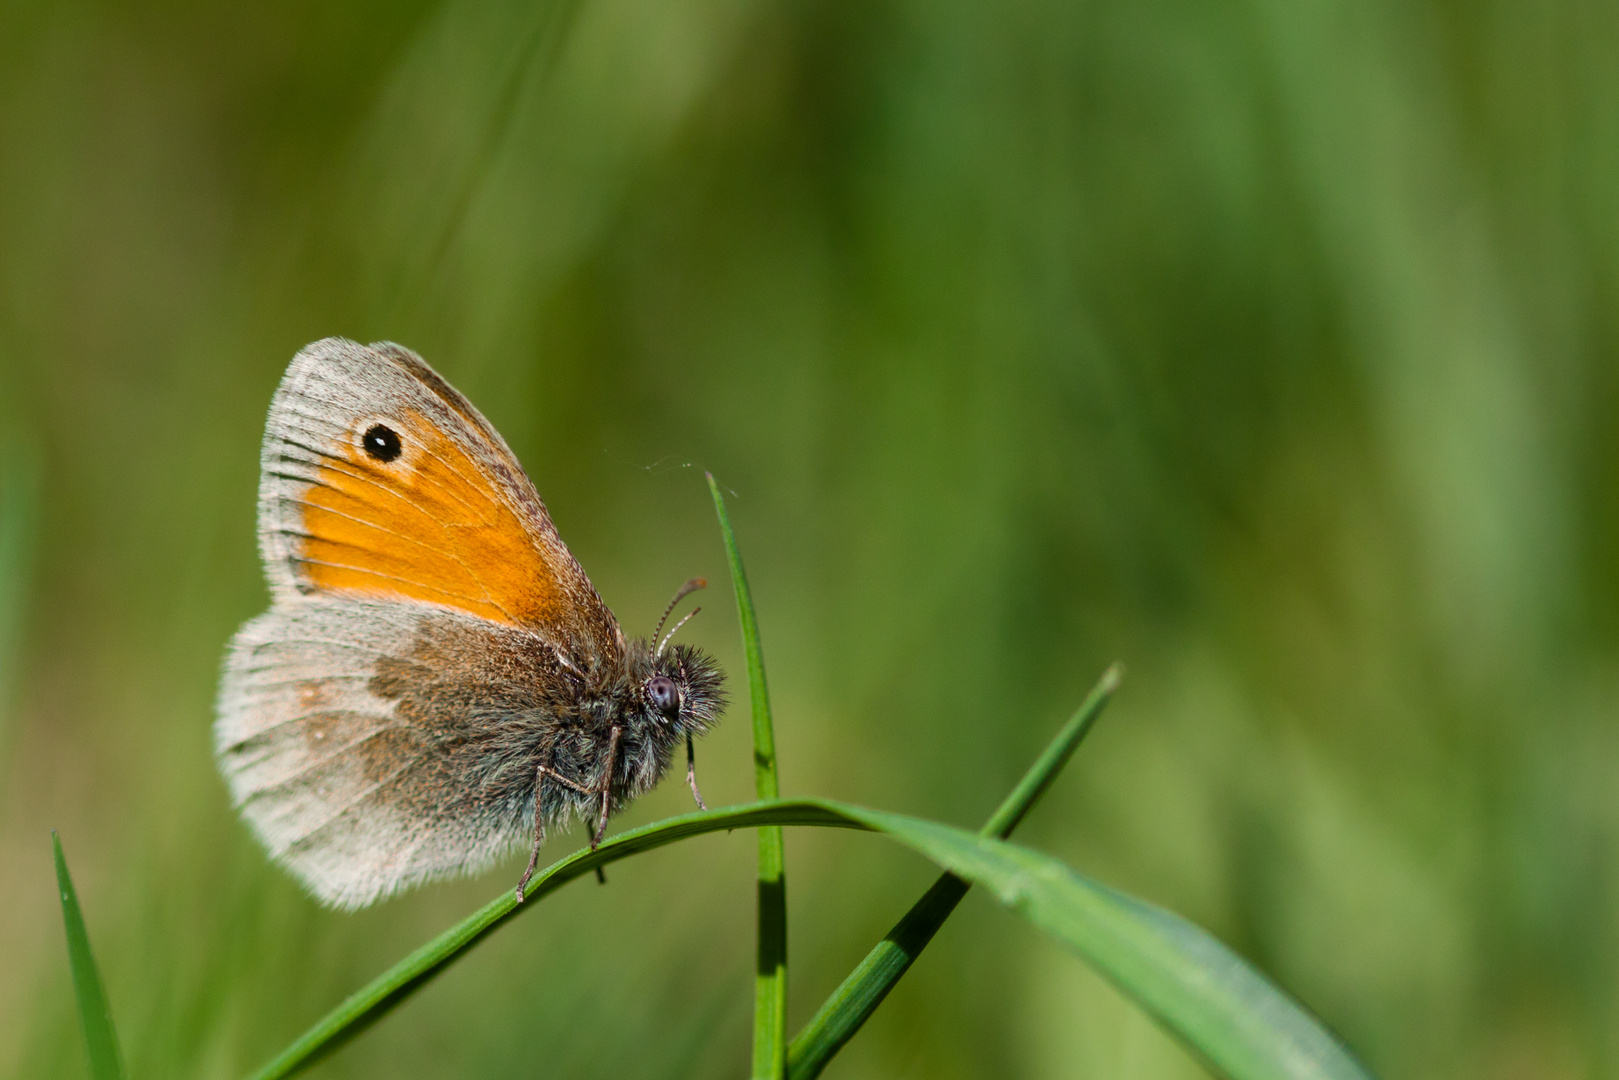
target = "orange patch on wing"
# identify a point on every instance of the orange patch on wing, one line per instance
(428, 525)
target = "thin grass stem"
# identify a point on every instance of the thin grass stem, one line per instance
(770, 978)
(848, 1007)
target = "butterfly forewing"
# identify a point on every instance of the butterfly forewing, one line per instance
(442, 514)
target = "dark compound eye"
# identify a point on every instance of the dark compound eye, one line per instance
(664, 695)
(381, 442)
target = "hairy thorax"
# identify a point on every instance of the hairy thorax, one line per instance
(486, 707)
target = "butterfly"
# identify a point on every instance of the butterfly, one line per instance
(436, 681)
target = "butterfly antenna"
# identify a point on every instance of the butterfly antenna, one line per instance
(677, 626)
(684, 591)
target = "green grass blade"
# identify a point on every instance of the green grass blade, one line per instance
(390, 989)
(95, 1015)
(1222, 1009)
(1196, 988)
(848, 1007)
(770, 979)
(857, 997)
(1010, 814)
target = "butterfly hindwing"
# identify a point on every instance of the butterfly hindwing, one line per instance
(374, 745)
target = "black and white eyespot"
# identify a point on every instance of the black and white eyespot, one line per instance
(382, 443)
(664, 696)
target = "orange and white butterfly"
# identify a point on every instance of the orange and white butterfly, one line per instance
(436, 679)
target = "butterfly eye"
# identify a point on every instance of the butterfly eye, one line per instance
(381, 442)
(664, 695)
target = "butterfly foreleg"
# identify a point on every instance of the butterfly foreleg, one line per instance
(691, 774)
(546, 770)
(607, 786)
(539, 831)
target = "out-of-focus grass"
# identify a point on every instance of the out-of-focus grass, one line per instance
(1266, 347)
(19, 521)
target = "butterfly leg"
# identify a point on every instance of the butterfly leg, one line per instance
(546, 770)
(539, 832)
(691, 774)
(607, 786)
(539, 835)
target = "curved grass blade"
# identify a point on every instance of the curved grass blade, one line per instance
(770, 977)
(1243, 1025)
(857, 997)
(95, 1015)
(390, 989)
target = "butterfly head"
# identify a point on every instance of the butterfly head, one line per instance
(679, 690)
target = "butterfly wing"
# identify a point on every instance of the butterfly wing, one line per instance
(434, 507)
(373, 745)
(390, 510)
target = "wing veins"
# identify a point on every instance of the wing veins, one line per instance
(295, 682)
(488, 598)
(292, 778)
(389, 577)
(303, 840)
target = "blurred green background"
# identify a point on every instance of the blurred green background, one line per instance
(1268, 347)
